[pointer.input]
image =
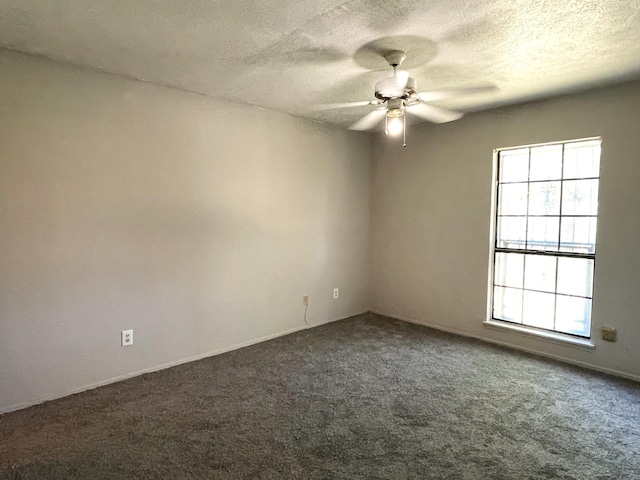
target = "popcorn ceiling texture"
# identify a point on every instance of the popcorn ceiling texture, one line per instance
(289, 55)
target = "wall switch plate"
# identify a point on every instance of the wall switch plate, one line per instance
(127, 338)
(336, 293)
(609, 334)
(305, 300)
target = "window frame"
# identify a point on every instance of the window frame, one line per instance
(491, 321)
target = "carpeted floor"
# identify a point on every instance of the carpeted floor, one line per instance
(363, 398)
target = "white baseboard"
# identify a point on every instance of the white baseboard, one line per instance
(156, 368)
(590, 366)
(119, 378)
(237, 346)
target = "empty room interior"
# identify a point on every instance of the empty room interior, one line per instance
(320, 239)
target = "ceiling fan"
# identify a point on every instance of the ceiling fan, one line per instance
(397, 95)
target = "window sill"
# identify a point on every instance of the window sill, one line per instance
(549, 336)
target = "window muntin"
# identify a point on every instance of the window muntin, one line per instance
(546, 221)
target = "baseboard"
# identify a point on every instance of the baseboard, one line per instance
(164, 366)
(570, 361)
(341, 318)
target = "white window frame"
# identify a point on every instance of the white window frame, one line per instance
(552, 335)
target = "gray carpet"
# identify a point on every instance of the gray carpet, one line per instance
(364, 398)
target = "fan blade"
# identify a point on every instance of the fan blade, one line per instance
(434, 95)
(370, 120)
(433, 114)
(333, 106)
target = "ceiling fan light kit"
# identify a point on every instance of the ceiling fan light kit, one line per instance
(396, 120)
(398, 95)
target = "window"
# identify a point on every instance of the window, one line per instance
(545, 236)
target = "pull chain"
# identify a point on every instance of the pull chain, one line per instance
(404, 131)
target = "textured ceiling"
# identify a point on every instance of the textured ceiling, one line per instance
(288, 55)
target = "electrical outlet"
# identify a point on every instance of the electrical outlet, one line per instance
(609, 334)
(127, 338)
(305, 300)
(336, 293)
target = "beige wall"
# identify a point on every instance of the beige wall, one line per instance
(431, 209)
(200, 224)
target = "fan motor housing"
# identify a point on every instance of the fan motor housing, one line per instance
(383, 94)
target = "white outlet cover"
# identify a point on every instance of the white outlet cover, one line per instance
(127, 338)
(336, 293)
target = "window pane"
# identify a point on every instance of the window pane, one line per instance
(578, 234)
(575, 276)
(543, 233)
(582, 159)
(545, 229)
(538, 309)
(514, 165)
(544, 198)
(573, 315)
(507, 304)
(546, 163)
(513, 199)
(511, 232)
(540, 273)
(580, 197)
(509, 269)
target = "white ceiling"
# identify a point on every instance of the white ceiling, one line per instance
(288, 55)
